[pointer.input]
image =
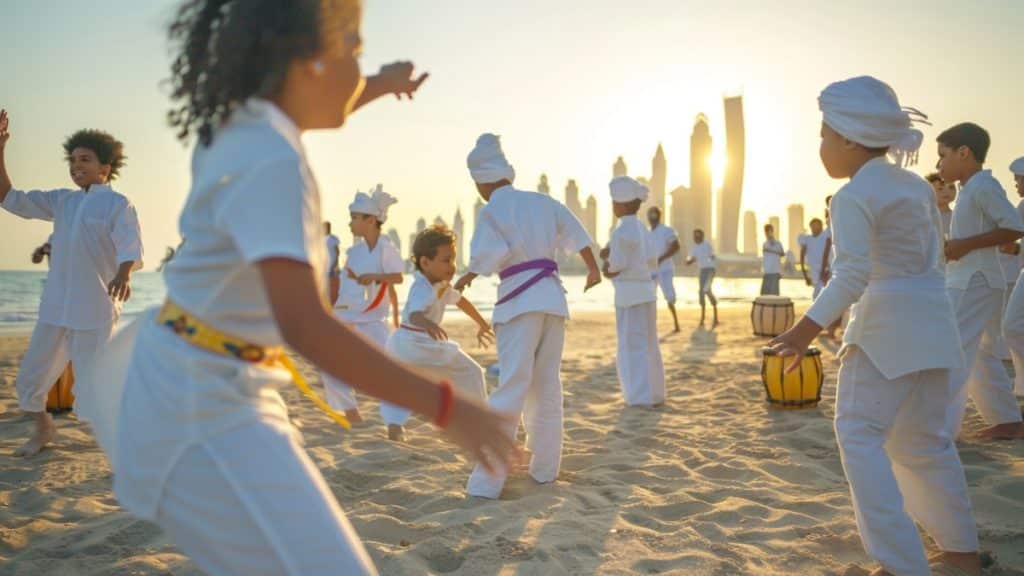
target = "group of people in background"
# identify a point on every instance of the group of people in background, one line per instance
(200, 440)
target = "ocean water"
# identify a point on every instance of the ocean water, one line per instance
(20, 293)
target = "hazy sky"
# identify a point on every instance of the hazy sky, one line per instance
(569, 84)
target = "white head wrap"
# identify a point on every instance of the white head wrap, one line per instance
(487, 161)
(625, 189)
(375, 204)
(867, 111)
(1017, 166)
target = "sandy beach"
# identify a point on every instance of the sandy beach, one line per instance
(715, 482)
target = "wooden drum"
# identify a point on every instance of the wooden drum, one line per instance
(772, 315)
(61, 399)
(801, 388)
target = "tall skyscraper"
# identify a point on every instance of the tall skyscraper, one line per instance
(774, 221)
(543, 186)
(477, 207)
(795, 219)
(659, 168)
(619, 169)
(681, 220)
(590, 217)
(699, 205)
(732, 186)
(459, 226)
(421, 225)
(396, 241)
(750, 233)
(572, 199)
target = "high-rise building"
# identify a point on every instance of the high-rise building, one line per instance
(543, 186)
(681, 218)
(459, 226)
(396, 241)
(795, 219)
(619, 169)
(699, 205)
(659, 168)
(590, 218)
(572, 199)
(421, 225)
(749, 233)
(732, 186)
(774, 221)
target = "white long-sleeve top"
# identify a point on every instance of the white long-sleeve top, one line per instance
(632, 255)
(885, 226)
(353, 298)
(94, 232)
(517, 226)
(981, 207)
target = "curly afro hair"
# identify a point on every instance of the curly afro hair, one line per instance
(231, 50)
(108, 149)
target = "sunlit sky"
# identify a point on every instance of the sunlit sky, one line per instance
(569, 84)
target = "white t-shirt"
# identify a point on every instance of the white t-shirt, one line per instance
(631, 253)
(93, 233)
(430, 299)
(703, 254)
(662, 238)
(253, 198)
(354, 299)
(332, 243)
(815, 246)
(772, 262)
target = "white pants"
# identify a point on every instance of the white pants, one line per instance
(818, 287)
(442, 360)
(342, 397)
(666, 279)
(982, 377)
(901, 463)
(1013, 330)
(529, 383)
(641, 373)
(250, 501)
(48, 354)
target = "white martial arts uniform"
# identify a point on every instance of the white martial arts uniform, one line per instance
(516, 227)
(204, 446)
(633, 256)
(442, 359)
(814, 256)
(663, 237)
(1013, 321)
(94, 232)
(351, 308)
(897, 354)
(978, 288)
(706, 267)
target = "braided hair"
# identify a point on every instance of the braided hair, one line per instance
(230, 50)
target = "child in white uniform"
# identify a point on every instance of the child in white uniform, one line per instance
(420, 341)
(901, 343)
(666, 244)
(203, 443)
(630, 261)
(1013, 321)
(704, 256)
(517, 236)
(983, 220)
(95, 247)
(372, 266)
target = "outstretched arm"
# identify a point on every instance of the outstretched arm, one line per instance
(5, 179)
(396, 78)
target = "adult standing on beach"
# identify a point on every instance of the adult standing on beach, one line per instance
(96, 245)
(202, 443)
(666, 242)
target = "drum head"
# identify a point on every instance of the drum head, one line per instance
(773, 300)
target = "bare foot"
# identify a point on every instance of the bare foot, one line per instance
(1005, 431)
(956, 563)
(677, 330)
(524, 460)
(353, 416)
(45, 433)
(396, 433)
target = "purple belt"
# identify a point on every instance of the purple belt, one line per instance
(544, 269)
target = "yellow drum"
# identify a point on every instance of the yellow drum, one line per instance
(799, 389)
(61, 398)
(772, 315)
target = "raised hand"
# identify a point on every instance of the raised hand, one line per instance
(5, 135)
(485, 337)
(397, 78)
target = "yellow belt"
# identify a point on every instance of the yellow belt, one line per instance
(201, 335)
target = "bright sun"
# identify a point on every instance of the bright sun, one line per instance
(717, 161)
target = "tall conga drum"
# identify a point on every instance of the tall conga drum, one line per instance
(61, 398)
(798, 389)
(772, 315)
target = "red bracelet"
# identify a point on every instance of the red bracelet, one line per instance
(444, 414)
